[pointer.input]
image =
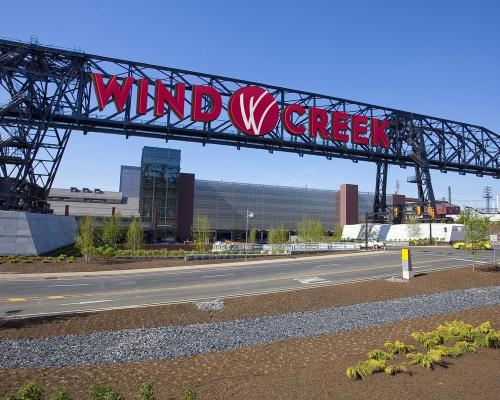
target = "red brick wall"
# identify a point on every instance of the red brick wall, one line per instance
(398, 199)
(348, 210)
(186, 205)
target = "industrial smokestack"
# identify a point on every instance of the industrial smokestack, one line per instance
(449, 194)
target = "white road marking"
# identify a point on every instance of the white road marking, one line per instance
(313, 279)
(73, 284)
(88, 302)
(464, 259)
(217, 276)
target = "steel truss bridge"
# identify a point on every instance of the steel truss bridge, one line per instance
(46, 93)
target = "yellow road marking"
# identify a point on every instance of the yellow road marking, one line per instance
(55, 297)
(16, 299)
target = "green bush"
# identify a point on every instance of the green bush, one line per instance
(188, 393)
(365, 368)
(428, 360)
(379, 355)
(465, 337)
(29, 391)
(70, 259)
(47, 260)
(101, 392)
(395, 369)
(398, 347)
(60, 394)
(428, 339)
(146, 392)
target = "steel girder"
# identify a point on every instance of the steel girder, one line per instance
(55, 85)
(380, 198)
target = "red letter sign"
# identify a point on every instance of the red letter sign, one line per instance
(119, 94)
(142, 96)
(378, 133)
(162, 96)
(318, 119)
(287, 119)
(339, 124)
(359, 129)
(197, 114)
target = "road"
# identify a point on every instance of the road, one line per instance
(25, 296)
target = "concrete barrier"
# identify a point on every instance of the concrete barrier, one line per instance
(24, 233)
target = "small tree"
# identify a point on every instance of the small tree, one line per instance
(135, 234)
(412, 227)
(277, 235)
(112, 230)
(252, 236)
(310, 230)
(476, 230)
(337, 233)
(200, 232)
(85, 237)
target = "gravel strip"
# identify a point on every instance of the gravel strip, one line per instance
(170, 342)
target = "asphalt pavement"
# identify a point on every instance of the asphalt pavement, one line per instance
(29, 296)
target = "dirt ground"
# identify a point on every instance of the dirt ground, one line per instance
(310, 368)
(249, 306)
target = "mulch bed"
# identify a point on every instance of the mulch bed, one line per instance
(310, 368)
(248, 306)
(112, 264)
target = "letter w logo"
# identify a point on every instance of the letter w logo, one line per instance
(249, 120)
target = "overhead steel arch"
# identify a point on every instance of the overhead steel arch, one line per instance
(47, 92)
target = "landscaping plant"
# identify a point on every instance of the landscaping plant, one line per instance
(60, 394)
(85, 237)
(146, 392)
(102, 392)
(188, 393)
(135, 234)
(461, 338)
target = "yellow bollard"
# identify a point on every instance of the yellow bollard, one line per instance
(406, 263)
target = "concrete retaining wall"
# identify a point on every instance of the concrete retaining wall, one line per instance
(23, 233)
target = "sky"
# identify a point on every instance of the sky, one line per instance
(436, 58)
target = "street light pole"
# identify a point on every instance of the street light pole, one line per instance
(249, 215)
(366, 231)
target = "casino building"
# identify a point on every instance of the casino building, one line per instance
(167, 201)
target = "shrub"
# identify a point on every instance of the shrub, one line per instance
(395, 369)
(47, 260)
(379, 355)
(398, 347)
(365, 368)
(466, 347)
(188, 393)
(146, 392)
(70, 259)
(450, 351)
(61, 394)
(428, 339)
(101, 392)
(433, 357)
(30, 391)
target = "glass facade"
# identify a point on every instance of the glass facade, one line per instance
(159, 191)
(225, 204)
(130, 178)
